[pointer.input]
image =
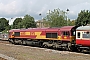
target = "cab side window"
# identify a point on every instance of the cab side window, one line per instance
(66, 33)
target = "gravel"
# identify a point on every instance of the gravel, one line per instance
(4, 57)
(20, 52)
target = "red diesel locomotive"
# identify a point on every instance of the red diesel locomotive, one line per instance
(46, 37)
(67, 37)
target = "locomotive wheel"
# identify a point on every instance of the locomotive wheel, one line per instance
(45, 46)
(73, 48)
(10, 40)
(69, 46)
(13, 41)
(21, 42)
(41, 44)
(79, 50)
(54, 47)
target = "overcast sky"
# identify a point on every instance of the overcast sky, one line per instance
(19, 8)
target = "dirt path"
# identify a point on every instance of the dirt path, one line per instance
(20, 52)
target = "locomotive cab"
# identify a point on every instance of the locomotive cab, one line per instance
(68, 33)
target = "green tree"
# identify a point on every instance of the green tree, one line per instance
(4, 24)
(56, 18)
(10, 27)
(28, 22)
(83, 18)
(71, 22)
(17, 22)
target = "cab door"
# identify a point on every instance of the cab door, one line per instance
(78, 37)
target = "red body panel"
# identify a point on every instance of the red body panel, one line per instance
(38, 33)
(83, 42)
(29, 30)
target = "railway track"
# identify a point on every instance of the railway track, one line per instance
(6, 42)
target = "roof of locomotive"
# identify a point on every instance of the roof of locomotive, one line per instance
(83, 28)
(64, 28)
(29, 29)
